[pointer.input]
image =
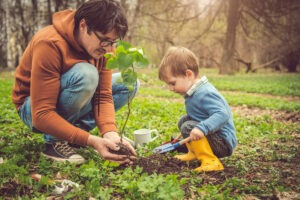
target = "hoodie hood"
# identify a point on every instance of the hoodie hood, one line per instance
(63, 22)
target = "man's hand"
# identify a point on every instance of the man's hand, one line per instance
(196, 134)
(103, 147)
(114, 137)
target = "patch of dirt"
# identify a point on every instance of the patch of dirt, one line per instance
(163, 164)
(283, 116)
(167, 164)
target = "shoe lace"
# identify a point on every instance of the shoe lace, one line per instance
(64, 148)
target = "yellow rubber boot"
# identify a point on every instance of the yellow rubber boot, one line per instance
(187, 157)
(204, 153)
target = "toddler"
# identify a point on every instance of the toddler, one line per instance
(208, 121)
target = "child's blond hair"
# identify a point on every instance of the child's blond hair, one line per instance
(176, 61)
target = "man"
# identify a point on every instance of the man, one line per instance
(62, 88)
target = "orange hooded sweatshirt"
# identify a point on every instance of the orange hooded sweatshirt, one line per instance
(51, 52)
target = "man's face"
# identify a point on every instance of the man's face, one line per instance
(95, 43)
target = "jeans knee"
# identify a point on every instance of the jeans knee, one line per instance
(88, 76)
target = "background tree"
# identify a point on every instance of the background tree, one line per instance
(274, 30)
(230, 35)
(3, 37)
(233, 17)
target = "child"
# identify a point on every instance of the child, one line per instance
(209, 120)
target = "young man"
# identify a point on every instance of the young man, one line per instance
(209, 120)
(62, 88)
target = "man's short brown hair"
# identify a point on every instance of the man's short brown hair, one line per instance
(103, 16)
(177, 60)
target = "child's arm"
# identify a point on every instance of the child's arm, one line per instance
(217, 109)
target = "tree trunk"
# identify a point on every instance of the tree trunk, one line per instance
(291, 61)
(3, 37)
(227, 61)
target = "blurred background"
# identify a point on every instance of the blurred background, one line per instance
(233, 36)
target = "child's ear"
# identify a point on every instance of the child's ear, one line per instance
(189, 73)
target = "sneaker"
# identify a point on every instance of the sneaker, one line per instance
(76, 146)
(61, 151)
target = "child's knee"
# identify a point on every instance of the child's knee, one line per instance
(187, 127)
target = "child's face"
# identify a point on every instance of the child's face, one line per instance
(180, 84)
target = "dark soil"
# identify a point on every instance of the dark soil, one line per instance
(167, 164)
(122, 151)
(163, 164)
(279, 115)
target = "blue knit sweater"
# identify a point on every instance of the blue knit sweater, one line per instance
(206, 105)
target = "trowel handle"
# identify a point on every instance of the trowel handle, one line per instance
(176, 138)
(182, 142)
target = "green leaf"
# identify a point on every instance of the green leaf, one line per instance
(108, 55)
(129, 77)
(139, 59)
(124, 44)
(143, 62)
(124, 61)
(112, 63)
(119, 50)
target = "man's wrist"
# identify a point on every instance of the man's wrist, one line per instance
(91, 140)
(110, 134)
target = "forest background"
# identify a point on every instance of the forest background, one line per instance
(231, 35)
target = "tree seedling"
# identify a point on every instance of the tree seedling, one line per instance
(125, 59)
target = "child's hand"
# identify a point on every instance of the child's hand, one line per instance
(196, 134)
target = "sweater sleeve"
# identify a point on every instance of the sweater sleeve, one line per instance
(218, 114)
(45, 86)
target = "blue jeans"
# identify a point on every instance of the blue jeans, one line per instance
(77, 87)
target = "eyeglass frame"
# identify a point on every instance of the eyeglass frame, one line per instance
(105, 41)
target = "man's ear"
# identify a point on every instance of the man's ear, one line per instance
(82, 24)
(190, 74)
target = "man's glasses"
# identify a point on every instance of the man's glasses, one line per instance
(104, 42)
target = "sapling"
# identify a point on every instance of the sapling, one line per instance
(125, 59)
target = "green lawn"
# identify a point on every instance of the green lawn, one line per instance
(265, 163)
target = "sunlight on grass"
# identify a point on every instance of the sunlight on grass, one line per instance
(270, 83)
(265, 102)
(276, 84)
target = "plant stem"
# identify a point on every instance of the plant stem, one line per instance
(127, 117)
(129, 111)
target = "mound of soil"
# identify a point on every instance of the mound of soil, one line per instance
(163, 164)
(167, 164)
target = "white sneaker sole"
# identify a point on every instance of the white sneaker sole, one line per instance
(73, 159)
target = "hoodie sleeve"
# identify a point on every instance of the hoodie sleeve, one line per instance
(45, 86)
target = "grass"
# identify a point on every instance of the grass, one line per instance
(264, 163)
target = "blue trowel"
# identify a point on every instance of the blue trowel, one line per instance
(170, 147)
